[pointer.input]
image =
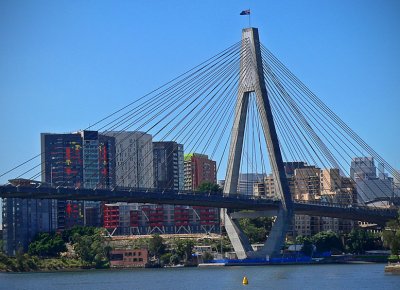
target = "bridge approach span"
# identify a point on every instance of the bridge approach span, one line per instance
(361, 213)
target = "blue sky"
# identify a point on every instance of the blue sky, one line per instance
(66, 64)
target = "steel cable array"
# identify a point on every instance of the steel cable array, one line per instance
(197, 109)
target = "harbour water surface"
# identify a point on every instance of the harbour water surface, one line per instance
(359, 276)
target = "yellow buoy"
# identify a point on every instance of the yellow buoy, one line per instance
(245, 280)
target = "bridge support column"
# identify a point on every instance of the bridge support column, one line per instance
(252, 80)
(238, 239)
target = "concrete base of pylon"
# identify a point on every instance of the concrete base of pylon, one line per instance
(274, 243)
(277, 236)
(238, 239)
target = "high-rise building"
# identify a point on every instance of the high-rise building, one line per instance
(168, 161)
(134, 168)
(266, 188)
(304, 184)
(291, 166)
(145, 164)
(330, 180)
(199, 169)
(168, 165)
(311, 184)
(82, 159)
(369, 186)
(327, 185)
(134, 159)
(24, 218)
(336, 188)
(307, 183)
(362, 168)
(374, 189)
(246, 182)
(127, 219)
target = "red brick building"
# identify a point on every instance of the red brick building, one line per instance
(198, 169)
(137, 258)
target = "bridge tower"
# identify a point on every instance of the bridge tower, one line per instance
(252, 80)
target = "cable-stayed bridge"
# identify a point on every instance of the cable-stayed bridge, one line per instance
(244, 108)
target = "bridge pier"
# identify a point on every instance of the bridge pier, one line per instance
(239, 240)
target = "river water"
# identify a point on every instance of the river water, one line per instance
(354, 276)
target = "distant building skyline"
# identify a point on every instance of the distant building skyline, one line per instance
(90, 159)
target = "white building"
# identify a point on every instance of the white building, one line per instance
(134, 159)
(369, 185)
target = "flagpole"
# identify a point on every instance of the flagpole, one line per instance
(247, 12)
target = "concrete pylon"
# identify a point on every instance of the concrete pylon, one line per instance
(252, 80)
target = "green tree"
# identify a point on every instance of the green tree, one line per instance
(156, 246)
(165, 259)
(391, 236)
(300, 239)
(256, 229)
(47, 245)
(307, 245)
(210, 188)
(184, 248)
(75, 232)
(327, 241)
(92, 249)
(359, 241)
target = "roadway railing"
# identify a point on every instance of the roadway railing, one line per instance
(194, 198)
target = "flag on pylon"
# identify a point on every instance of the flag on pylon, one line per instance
(245, 12)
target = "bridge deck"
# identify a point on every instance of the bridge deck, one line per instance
(155, 196)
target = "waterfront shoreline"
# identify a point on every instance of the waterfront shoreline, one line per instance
(393, 268)
(201, 265)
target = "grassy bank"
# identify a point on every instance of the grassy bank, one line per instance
(26, 263)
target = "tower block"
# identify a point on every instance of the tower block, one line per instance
(252, 80)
